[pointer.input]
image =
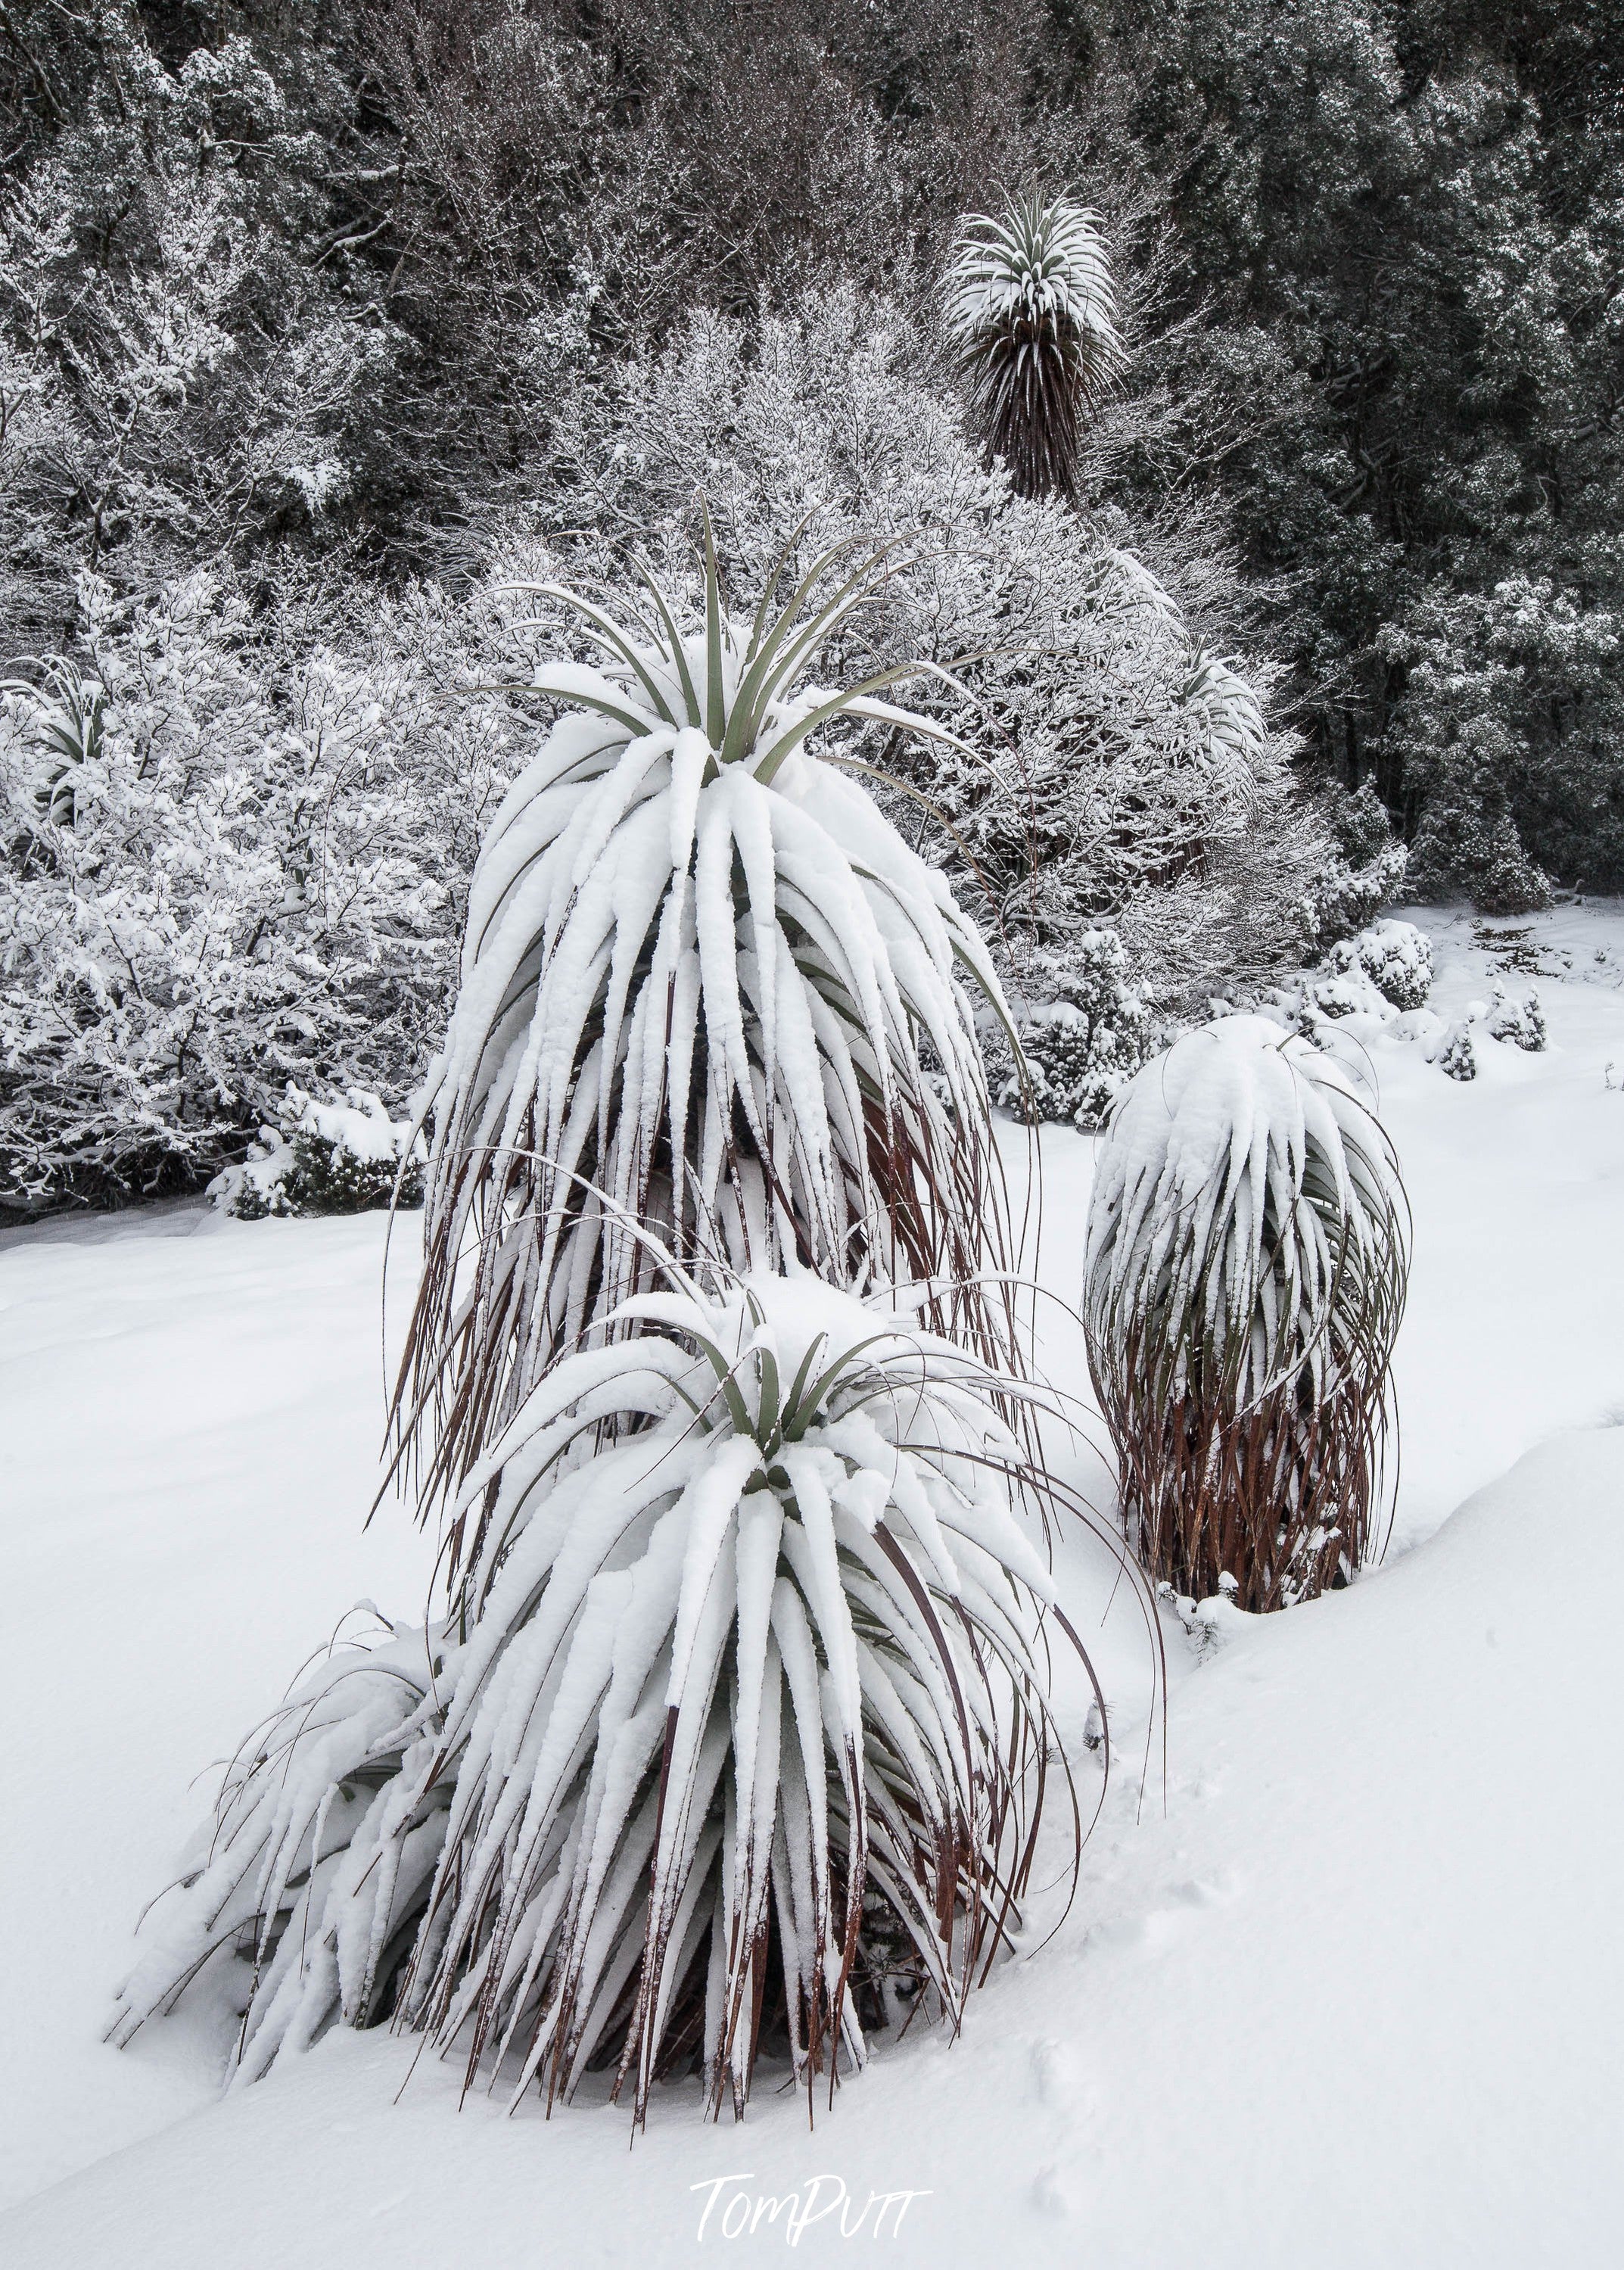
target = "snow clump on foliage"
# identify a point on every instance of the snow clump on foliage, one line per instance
(326, 1158)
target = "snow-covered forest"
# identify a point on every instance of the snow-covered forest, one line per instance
(812, 828)
(318, 326)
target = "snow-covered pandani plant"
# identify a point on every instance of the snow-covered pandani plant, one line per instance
(1247, 1256)
(706, 988)
(303, 1899)
(66, 711)
(1237, 730)
(1032, 306)
(733, 1741)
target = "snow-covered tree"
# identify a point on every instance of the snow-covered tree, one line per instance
(701, 972)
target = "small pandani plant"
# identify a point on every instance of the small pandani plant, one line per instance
(734, 1735)
(1247, 1256)
(1032, 306)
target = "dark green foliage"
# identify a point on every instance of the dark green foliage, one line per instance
(1092, 1035)
(328, 1177)
(1344, 900)
(1407, 227)
(325, 1159)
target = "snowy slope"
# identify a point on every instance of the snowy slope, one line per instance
(1345, 1991)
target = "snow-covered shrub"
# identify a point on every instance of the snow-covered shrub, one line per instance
(1453, 1052)
(1385, 967)
(1362, 868)
(1385, 973)
(229, 861)
(1115, 773)
(1520, 1022)
(1082, 1045)
(744, 1696)
(1397, 959)
(700, 968)
(1344, 900)
(325, 1158)
(1247, 1248)
(1032, 306)
(1342, 987)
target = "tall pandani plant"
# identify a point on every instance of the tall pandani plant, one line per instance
(734, 1738)
(706, 988)
(1031, 305)
(1247, 1258)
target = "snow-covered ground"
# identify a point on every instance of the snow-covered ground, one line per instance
(1346, 1990)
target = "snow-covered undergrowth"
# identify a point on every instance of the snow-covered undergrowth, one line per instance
(1343, 1993)
(325, 1158)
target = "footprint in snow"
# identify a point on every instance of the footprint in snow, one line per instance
(1049, 2194)
(1054, 2076)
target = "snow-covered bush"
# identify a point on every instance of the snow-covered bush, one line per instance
(1032, 306)
(1247, 1248)
(700, 967)
(1397, 959)
(325, 1158)
(738, 1695)
(1083, 1045)
(1342, 987)
(1453, 1052)
(1360, 871)
(229, 860)
(1342, 899)
(1386, 968)
(1116, 771)
(1384, 973)
(1520, 1022)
